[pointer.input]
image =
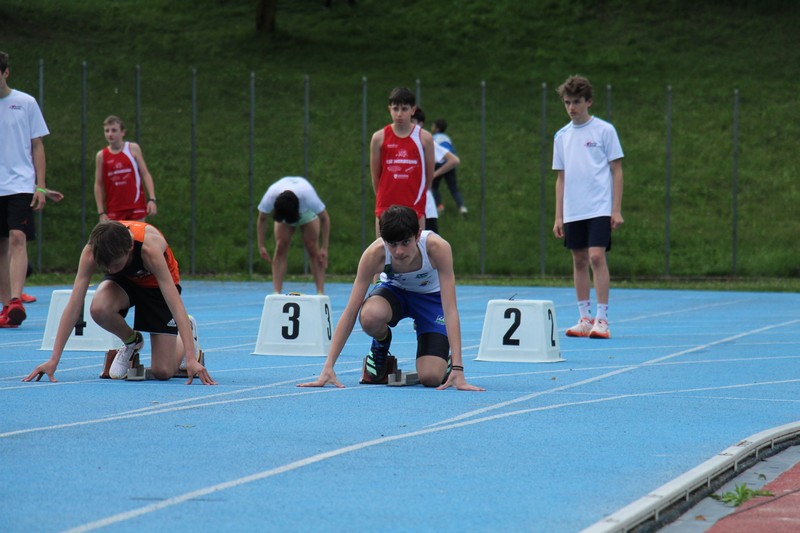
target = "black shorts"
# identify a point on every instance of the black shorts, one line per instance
(589, 233)
(16, 213)
(152, 312)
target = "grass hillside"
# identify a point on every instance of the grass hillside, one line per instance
(704, 51)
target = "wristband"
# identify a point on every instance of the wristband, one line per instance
(457, 367)
(101, 214)
(43, 191)
(152, 200)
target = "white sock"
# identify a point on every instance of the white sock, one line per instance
(585, 308)
(602, 312)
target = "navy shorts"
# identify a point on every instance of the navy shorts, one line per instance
(589, 233)
(426, 310)
(16, 213)
(152, 312)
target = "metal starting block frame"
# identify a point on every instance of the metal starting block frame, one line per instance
(403, 379)
(139, 372)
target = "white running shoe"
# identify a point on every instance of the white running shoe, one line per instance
(196, 339)
(600, 330)
(581, 329)
(124, 358)
(463, 210)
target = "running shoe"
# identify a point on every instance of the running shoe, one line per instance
(376, 364)
(600, 330)
(4, 318)
(27, 298)
(581, 329)
(124, 358)
(16, 312)
(196, 339)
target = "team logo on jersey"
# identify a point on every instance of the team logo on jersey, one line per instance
(591, 144)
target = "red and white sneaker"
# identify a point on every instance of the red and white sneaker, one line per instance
(581, 329)
(600, 330)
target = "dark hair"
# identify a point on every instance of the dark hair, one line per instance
(109, 242)
(575, 86)
(398, 223)
(419, 115)
(401, 95)
(440, 124)
(287, 208)
(3, 61)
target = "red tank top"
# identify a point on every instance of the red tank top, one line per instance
(122, 181)
(402, 172)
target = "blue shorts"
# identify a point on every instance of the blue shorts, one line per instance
(589, 233)
(426, 311)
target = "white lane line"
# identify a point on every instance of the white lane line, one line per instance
(613, 373)
(167, 410)
(301, 463)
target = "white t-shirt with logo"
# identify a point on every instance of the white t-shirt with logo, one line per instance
(21, 121)
(584, 152)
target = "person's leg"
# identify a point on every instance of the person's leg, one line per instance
(580, 276)
(109, 299)
(602, 278)
(580, 273)
(437, 195)
(310, 233)
(433, 352)
(452, 185)
(17, 261)
(280, 259)
(375, 317)
(166, 353)
(5, 280)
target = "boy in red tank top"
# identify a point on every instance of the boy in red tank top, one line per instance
(401, 159)
(121, 178)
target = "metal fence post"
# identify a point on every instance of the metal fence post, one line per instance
(668, 182)
(483, 177)
(193, 175)
(83, 150)
(543, 183)
(364, 162)
(735, 180)
(251, 173)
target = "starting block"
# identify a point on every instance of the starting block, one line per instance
(520, 331)
(139, 372)
(85, 336)
(295, 324)
(403, 379)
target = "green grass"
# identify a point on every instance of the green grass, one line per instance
(703, 50)
(739, 495)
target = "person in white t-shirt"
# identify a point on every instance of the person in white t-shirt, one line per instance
(294, 203)
(22, 190)
(588, 158)
(444, 161)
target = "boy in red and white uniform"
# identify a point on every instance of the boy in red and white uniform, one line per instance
(401, 159)
(121, 177)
